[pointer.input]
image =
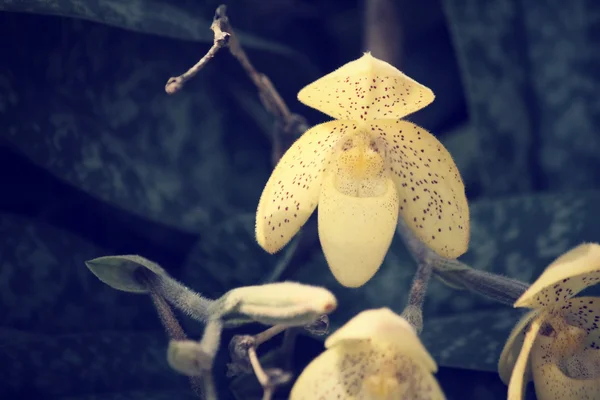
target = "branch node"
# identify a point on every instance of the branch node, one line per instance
(222, 37)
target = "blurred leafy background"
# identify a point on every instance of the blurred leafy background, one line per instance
(95, 159)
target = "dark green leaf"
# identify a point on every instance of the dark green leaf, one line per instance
(536, 120)
(45, 287)
(56, 366)
(106, 126)
(470, 340)
(140, 395)
(228, 258)
(173, 19)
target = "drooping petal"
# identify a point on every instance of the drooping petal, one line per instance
(366, 89)
(559, 373)
(291, 193)
(358, 212)
(383, 323)
(513, 347)
(568, 275)
(366, 370)
(516, 387)
(433, 203)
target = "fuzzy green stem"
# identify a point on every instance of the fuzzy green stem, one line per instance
(461, 276)
(179, 295)
(413, 312)
(170, 323)
(496, 287)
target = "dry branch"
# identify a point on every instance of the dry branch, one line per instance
(286, 122)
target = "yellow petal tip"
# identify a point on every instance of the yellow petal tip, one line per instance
(566, 276)
(366, 89)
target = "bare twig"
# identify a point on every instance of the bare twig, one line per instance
(269, 379)
(222, 37)
(260, 373)
(240, 345)
(243, 354)
(272, 101)
(268, 334)
(285, 121)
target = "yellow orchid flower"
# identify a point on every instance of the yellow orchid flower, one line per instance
(375, 356)
(557, 344)
(363, 170)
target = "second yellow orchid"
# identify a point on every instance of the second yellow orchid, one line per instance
(375, 356)
(557, 344)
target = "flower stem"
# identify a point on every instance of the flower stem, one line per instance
(496, 287)
(413, 312)
(458, 275)
(169, 321)
(179, 295)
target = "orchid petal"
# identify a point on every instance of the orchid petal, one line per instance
(383, 324)
(584, 312)
(366, 89)
(517, 384)
(433, 203)
(291, 193)
(366, 369)
(568, 275)
(358, 212)
(513, 347)
(552, 384)
(563, 369)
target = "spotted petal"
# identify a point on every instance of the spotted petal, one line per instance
(433, 203)
(366, 89)
(518, 380)
(384, 324)
(563, 368)
(357, 220)
(366, 369)
(291, 193)
(568, 275)
(513, 347)
(584, 312)
(552, 384)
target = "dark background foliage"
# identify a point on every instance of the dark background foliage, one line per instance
(95, 159)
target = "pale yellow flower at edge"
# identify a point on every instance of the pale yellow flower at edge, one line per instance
(364, 170)
(557, 344)
(375, 356)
